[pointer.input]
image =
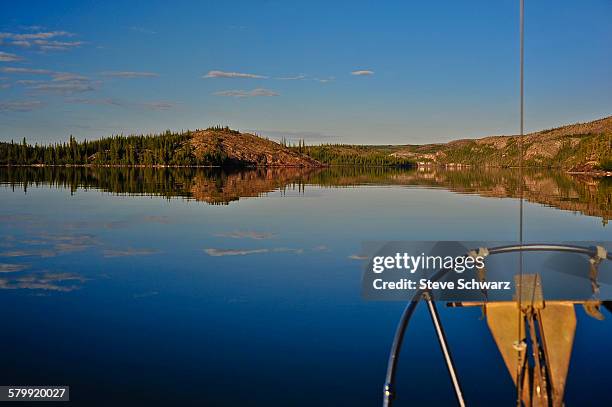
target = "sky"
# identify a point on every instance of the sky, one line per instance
(393, 72)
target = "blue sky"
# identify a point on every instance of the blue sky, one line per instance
(426, 71)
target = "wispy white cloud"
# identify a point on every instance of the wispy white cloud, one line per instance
(35, 36)
(68, 77)
(65, 83)
(63, 244)
(63, 88)
(28, 253)
(20, 106)
(12, 268)
(245, 252)
(60, 82)
(32, 27)
(291, 78)
(129, 74)
(287, 250)
(363, 72)
(234, 252)
(28, 82)
(42, 40)
(63, 282)
(303, 77)
(8, 57)
(223, 74)
(47, 45)
(247, 93)
(357, 257)
(30, 71)
(21, 43)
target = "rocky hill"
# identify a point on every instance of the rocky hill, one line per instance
(215, 146)
(581, 147)
(246, 149)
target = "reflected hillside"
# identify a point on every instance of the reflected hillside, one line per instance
(590, 196)
(587, 195)
(220, 187)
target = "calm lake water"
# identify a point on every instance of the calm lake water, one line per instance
(202, 287)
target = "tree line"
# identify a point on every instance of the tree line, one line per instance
(343, 154)
(173, 149)
(169, 148)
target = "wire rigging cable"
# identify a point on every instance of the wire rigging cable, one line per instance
(519, 341)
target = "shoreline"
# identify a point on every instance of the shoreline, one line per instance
(594, 173)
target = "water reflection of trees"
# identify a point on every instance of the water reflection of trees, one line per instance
(590, 196)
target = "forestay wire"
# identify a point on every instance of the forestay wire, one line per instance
(519, 343)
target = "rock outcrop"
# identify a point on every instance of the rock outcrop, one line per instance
(247, 149)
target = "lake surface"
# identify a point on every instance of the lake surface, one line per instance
(203, 287)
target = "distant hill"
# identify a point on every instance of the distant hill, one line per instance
(580, 147)
(246, 149)
(216, 146)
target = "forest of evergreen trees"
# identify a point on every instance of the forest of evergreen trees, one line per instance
(172, 149)
(343, 154)
(158, 149)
